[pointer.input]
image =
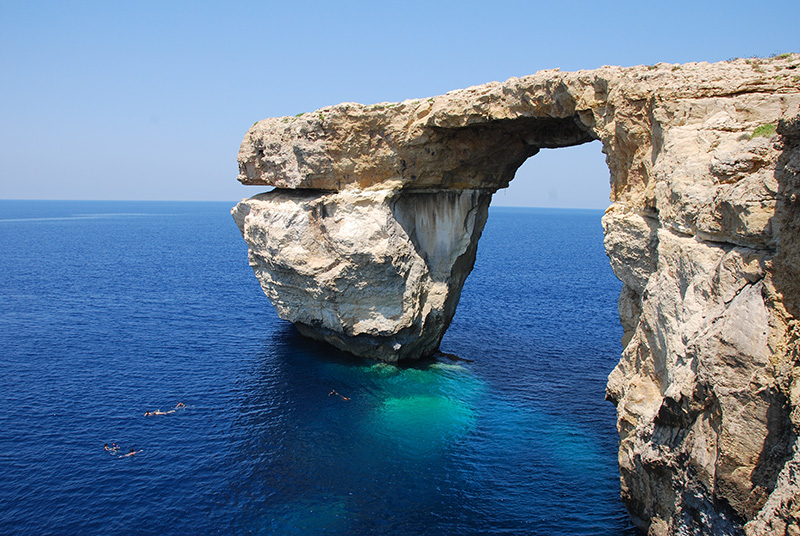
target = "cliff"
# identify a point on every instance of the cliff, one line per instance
(373, 227)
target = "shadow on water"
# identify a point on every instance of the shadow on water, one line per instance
(330, 444)
(325, 441)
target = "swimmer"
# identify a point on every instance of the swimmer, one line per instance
(106, 447)
(180, 405)
(157, 412)
(131, 453)
(333, 393)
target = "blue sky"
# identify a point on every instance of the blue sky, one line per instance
(150, 100)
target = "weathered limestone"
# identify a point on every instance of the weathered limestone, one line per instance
(370, 271)
(374, 223)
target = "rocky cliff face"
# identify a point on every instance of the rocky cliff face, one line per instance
(374, 222)
(374, 272)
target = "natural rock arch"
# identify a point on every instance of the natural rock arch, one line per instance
(374, 222)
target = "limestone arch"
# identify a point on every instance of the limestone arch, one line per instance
(702, 231)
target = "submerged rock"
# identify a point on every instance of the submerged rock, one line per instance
(373, 227)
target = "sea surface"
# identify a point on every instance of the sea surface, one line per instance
(112, 309)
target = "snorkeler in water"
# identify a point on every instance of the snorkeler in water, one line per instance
(157, 412)
(131, 453)
(335, 393)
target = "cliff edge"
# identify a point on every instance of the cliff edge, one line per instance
(373, 225)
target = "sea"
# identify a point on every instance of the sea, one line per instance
(109, 310)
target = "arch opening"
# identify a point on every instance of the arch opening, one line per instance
(569, 177)
(543, 288)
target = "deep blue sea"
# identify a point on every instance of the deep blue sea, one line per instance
(112, 309)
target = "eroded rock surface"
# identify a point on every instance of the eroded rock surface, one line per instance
(373, 272)
(374, 222)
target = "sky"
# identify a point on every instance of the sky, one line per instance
(149, 100)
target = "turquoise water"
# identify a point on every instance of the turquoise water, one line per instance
(111, 309)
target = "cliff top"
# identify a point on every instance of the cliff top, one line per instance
(441, 142)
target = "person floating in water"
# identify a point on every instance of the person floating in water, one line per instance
(112, 449)
(157, 412)
(335, 393)
(131, 453)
